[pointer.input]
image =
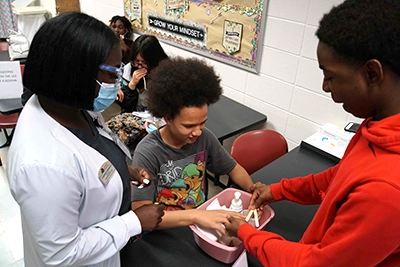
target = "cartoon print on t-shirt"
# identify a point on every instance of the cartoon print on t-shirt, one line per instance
(181, 182)
(165, 196)
(193, 180)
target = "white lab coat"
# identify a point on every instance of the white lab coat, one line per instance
(69, 218)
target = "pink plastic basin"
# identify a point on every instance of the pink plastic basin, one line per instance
(224, 253)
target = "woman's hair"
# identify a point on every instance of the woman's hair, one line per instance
(180, 83)
(148, 47)
(64, 59)
(124, 20)
(359, 30)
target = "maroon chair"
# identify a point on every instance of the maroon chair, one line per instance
(256, 149)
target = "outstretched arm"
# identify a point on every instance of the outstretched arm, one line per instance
(363, 232)
(241, 178)
(209, 219)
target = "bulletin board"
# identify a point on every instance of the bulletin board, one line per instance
(226, 30)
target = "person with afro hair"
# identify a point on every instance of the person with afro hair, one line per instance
(178, 154)
(358, 219)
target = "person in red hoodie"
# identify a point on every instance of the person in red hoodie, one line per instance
(358, 220)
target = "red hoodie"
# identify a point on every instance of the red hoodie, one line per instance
(358, 221)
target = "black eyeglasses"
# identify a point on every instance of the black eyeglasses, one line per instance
(141, 64)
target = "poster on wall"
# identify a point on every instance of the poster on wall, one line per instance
(229, 31)
(174, 4)
(135, 10)
(186, 30)
(232, 36)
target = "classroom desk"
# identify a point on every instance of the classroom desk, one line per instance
(227, 118)
(176, 247)
(5, 56)
(9, 106)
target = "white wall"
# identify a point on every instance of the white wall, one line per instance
(288, 87)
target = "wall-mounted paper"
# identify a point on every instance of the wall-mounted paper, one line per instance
(230, 31)
(174, 4)
(135, 10)
(232, 36)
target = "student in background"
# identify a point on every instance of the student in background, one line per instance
(358, 220)
(123, 29)
(178, 154)
(147, 53)
(66, 172)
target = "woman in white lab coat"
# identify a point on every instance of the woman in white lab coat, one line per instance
(66, 171)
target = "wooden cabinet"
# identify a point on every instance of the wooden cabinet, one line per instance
(63, 6)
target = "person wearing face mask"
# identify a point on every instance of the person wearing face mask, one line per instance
(123, 29)
(66, 171)
(108, 91)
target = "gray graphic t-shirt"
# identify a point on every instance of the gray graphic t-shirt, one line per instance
(178, 175)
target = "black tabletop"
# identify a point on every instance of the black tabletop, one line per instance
(9, 106)
(172, 247)
(227, 118)
(5, 56)
(176, 247)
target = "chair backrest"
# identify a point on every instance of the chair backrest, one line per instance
(22, 67)
(8, 121)
(255, 149)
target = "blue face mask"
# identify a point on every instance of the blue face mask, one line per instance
(107, 94)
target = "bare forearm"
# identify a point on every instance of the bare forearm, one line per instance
(171, 218)
(177, 218)
(241, 178)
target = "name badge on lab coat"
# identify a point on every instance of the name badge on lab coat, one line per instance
(106, 172)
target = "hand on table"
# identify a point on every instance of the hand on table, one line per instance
(261, 196)
(150, 215)
(139, 176)
(233, 225)
(215, 219)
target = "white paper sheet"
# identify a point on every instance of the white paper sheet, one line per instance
(21, 3)
(10, 80)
